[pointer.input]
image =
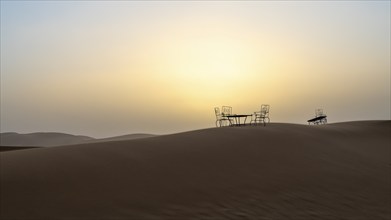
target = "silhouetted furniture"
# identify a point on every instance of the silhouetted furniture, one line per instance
(226, 110)
(221, 119)
(320, 118)
(261, 116)
(236, 119)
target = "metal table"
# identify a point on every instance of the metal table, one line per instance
(237, 119)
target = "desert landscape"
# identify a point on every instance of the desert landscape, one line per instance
(195, 110)
(281, 171)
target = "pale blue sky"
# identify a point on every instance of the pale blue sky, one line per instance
(104, 68)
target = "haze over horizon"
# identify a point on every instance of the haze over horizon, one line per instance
(101, 68)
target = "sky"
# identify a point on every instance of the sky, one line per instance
(107, 68)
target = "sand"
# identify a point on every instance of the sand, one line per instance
(281, 171)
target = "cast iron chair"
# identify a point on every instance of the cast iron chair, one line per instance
(262, 116)
(227, 110)
(221, 119)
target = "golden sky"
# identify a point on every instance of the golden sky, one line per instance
(104, 68)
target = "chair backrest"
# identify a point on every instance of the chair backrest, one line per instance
(265, 110)
(318, 112)
(217, 113)
(227, 110)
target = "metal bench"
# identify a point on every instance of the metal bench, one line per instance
(320, 118)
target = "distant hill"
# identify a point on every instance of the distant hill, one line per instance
(49, 139)
(44, 139)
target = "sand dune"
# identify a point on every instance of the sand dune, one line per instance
(43, 139)
(122, 138)
(281, 171)
(50, 139)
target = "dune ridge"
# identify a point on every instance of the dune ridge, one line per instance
(51, 139)
(42, 139)
(122, 137)
(11, 148)
(281, 171)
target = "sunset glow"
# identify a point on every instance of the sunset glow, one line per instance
(108, 68)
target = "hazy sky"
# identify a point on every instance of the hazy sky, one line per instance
(109, 68)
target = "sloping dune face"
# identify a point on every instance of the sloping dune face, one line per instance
(281, 171)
